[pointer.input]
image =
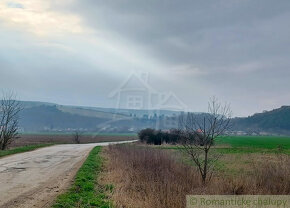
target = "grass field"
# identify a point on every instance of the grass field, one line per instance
(265, 142)
(146, 177)
(22, 149)
(241, 153)
(248, 144)
(86, 192)
(254, 144)
(246, 152)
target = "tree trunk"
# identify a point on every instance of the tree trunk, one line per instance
(205, 166)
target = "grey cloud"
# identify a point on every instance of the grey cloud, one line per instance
(205, 34)
(237, 50)
(243, 46)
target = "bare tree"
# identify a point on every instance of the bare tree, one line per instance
(199, 132)
(9, 117)
(77, 136)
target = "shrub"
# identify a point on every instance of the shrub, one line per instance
(173, 136)
(147, 135)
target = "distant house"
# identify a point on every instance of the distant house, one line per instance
(136, 93)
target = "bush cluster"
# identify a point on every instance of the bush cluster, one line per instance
(172, 136)
(157, 137)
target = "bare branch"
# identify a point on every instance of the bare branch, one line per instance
(9, 117)
(199, 131)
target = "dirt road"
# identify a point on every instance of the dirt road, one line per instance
(34, 179)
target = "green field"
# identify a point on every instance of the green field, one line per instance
(266, 142)
(249, 144)
(254, 144)
(241, 153)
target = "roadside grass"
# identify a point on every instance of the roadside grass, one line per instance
(86, 192)
(22, 149)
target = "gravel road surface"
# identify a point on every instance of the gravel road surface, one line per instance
(34, 179)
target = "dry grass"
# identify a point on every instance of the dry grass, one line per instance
(273, 177)
(244, 164)
(148, 178)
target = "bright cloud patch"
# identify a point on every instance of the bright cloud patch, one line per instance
(38, 17)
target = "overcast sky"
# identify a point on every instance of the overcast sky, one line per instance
(77, 51)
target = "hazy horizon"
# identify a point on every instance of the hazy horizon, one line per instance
(77, 52)
(72, 105)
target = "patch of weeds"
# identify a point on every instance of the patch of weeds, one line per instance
(86, 192)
